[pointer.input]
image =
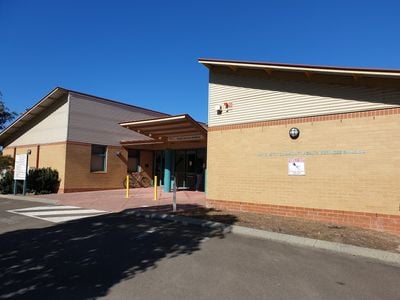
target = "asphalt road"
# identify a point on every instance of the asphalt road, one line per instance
(119, 256)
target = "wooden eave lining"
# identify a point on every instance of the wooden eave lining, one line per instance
(163, 128)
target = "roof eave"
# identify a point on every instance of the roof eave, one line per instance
(21, 120)
(389, 73)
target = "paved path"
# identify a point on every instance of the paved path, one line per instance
(115, 201)
(119, 256)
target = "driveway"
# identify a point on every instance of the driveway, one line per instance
(120, 256)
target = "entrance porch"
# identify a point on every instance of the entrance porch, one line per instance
(173, 149)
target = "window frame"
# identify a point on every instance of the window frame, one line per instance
(104, 155)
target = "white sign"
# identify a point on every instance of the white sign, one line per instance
(21, 161)
(185, 138)
(296, 167)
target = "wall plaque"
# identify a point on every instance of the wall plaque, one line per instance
(296, 167)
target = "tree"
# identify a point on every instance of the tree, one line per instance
(6, 115)
(6, 162)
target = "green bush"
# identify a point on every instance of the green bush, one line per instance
(6, 162)
(43, 181)
(39, 181)
(6, 182)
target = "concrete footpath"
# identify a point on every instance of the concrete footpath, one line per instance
(383, 256)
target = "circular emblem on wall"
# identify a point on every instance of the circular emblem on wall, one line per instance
(294, 133)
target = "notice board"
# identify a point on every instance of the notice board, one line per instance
(20, 167)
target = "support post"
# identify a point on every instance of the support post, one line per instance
(127, 187)
(174, 196)
(28, 152)
(155, 188)
(15, 187)
(205, 181)
(167, 170)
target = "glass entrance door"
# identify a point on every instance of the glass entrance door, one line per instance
(180, 168)
(191, 167)
(188, 167)
(159, 164)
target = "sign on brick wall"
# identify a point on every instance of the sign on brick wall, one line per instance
(20, 166)
(296, 167)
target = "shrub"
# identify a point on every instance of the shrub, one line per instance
(6, 162)
(6, 182)
(43, 181)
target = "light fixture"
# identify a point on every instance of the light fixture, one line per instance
(294, 133)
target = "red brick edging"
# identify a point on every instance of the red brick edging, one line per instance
(380, 222)
(77, 190)
(339, 116)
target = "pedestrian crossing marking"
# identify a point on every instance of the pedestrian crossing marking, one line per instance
(57, 214)
(63, 212)
(47, 207)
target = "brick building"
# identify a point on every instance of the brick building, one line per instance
(295, 140)
(80, 135)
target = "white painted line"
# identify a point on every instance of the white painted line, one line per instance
(64, 212)
(64, 219)
(51, 207)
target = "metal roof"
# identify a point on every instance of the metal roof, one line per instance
(46, 102)
(179, 128)
(270, 67)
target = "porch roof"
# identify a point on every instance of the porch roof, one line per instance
(164, 130)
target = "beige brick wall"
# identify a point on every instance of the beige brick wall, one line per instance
(8, 151)
(53, 155)
(79, 177)
(32, 159)
(49, 155)
(240, 168)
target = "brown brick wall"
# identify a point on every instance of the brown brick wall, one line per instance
(79, 177)
(146, 162)
(249, 163)
(72, 160)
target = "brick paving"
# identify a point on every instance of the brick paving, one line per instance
(139, 198)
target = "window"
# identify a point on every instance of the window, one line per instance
(98, 162)
(133, 160)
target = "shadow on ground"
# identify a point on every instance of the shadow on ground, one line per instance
(83, 259)
(209, 214)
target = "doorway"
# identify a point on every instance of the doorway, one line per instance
(188, 167)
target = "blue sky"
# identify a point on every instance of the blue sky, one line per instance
(145, 52)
